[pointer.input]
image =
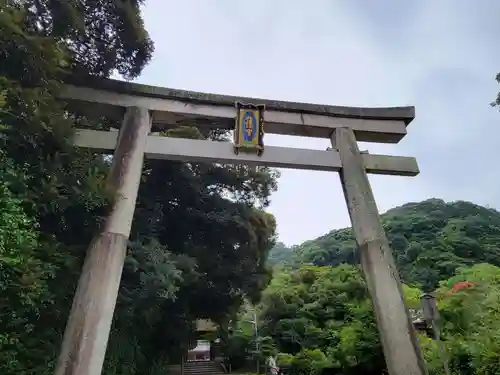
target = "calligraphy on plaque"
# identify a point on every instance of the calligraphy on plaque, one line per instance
(249, 128)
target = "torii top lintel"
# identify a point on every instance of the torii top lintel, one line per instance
(174, 107)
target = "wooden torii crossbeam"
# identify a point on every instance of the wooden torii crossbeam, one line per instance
(148, 107)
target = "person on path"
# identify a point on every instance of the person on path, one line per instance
(273, 368)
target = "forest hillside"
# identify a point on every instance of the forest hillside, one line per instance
(430, 241)
(318, 315)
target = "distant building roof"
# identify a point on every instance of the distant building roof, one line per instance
(205, 325)
(201, 346)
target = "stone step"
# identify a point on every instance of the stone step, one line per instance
(202, 368)
(206, 369)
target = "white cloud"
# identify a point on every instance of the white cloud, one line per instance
(439, 56)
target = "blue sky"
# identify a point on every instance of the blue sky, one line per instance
(441, 56)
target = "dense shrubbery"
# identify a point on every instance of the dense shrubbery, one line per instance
(325, 310)
(198, 235)
(321, 319)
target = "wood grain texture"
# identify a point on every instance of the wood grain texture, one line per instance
(401, 348)
(87, 331)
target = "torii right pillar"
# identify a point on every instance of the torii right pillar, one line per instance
(399, 341)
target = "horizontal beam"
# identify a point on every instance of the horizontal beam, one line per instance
(191, 150)
(406, 114)
(173, 111)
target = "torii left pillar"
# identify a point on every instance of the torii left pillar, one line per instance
(87, 331)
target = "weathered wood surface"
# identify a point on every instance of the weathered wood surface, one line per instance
(190, 150)
(86, 336)
(173, 107)
(401, 348)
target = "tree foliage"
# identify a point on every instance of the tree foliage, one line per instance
(496, 102)
(448, 248)
(200, 236)
(279, 254)
(430, 241)
(321, 319)
(100, 36)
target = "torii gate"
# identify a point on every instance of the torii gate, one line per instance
(88, 327)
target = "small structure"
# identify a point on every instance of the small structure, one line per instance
(205, 325)
(430, 314)
(430, 311)
(199, 353)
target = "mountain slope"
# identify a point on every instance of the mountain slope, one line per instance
(430, 240)
(280, 253)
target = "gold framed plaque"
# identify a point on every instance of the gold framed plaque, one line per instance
(249, 128)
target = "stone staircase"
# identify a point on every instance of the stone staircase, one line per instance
(203, 368)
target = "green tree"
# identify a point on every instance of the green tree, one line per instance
(23, 283)
(472, 319)
(200, 237)
(101, 37)
(324, 318)
(57, 191)
(430, 241)
(278, 254)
